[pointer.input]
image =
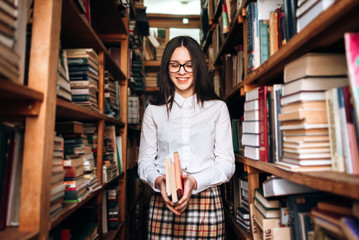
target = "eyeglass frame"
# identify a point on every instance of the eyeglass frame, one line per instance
(179, 69)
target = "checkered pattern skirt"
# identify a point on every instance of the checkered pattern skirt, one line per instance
(202, 219)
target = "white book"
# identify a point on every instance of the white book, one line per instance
(251, 152)
(275, 186)
(252, 95)
(314, 84)
(312, 13)
(250, 127)
(265, 7)
(250, 140)
(303, 96)
(251, 115)
(251, 105)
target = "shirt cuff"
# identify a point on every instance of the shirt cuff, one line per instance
(204, 181)
(151, 181)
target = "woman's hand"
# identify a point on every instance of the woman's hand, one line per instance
(189, 183)
(160, 183)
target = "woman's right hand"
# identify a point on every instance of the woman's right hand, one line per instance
(160, 183)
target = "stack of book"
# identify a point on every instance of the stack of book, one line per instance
(336, 218)
(242, 213)
(63, 78)
(151, 80)
(255, 124)
(137, 75)
(307, 11)
(266, 213)
(9, 59)
(57, 177)
(133, 110)
(75, 150)
(112, 96)
(174, 183)
(113, 208)
(110, 164)
(83, 64)
(89, 160)
(304, 122)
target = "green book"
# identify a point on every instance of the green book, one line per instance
(264, 40)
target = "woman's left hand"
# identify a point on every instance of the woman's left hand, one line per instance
(189, 183)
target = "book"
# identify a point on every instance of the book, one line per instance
(310, 116)
(350, 227)
(351, 53)
(315, 64)
(266, 224)
(301, 203)
(275, 186)
(314, 84)
(303, 97)
(268, 203)
(266, 212)
(317, 105)
(341, 206)
(312, 13)
(298, 168)
(174, 181)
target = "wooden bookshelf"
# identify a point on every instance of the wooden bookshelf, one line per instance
(317, 35)
(59, 25)
(324, 34)
(334, 182)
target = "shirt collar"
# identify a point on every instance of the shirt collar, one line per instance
(181, 100)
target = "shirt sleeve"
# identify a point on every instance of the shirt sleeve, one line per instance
(147, 169)
(224, 166)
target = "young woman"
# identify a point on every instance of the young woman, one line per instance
(187, 117)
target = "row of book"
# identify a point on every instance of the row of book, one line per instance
(110, 209)
(78, 81)
(306, 124)
(11, 148)
(286, 210)
(9, 58)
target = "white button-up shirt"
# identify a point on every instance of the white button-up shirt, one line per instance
(201, 135)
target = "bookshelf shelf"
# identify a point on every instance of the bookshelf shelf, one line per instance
(334, 182)
(207, 39)
(12, 233)
(11, 90)
(70, 208)
(69, 110)
(235, 227)
(316, 36)
(82, 35)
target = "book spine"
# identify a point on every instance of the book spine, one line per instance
(263, 124)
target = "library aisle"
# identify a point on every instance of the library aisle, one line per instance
(77, 75)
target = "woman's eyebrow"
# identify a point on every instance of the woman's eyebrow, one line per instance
(178, 61)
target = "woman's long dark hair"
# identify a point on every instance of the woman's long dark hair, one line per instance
(203, 86)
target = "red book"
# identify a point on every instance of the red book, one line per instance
(72, 172)
(178, 175)
(263, 123)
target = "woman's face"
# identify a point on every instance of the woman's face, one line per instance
(180, 71)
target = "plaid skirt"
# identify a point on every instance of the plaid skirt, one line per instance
(202, 219)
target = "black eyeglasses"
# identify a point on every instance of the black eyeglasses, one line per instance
(176, 67)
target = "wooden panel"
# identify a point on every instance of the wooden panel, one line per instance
(338, 183)
(38, 151)
(173, 21)
(152, 63)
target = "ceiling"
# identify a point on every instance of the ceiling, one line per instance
(179, 7)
